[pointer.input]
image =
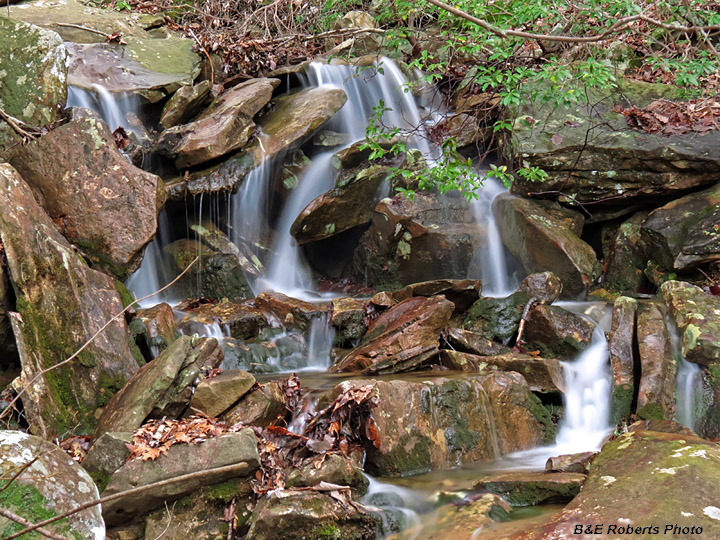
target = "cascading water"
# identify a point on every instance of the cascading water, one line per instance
(489, 262)
(688, 390)
(117, 110)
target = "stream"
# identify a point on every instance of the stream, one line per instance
(410, 504)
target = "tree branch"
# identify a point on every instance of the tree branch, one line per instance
(22, 521)
(134, 491)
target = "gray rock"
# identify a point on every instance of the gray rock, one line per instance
(185, 104)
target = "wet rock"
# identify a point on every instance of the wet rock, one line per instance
(224, 127)
(330, 139)
(461, 292)
(400, 339)
(649, 479)
(261, 407)
(60, 303)
(217, 394)
(107, 454)
(212, 236)
(151, 68)
(473, 343)
(215, 179)
(308, 514)
(341, 208)
(181, 459)
(163, 385)
(697, 316)
(272, 351)
(556, 332)
(291, 312)
(570, 463)
(466, 519)
(541, 242)
(497, 318)
(441, 423)
(431, 237)
(219, 275)
(347, 320)
(542, 287)
(161, 328)
(662, 426)
(202, 514)
(354, 154)
(331, 468)
(685, 232)
(619, 166)
(542, 374)
(296, 117)
(533, 488)
(625, 264)
(656, 393)
(620, 344)
(50, 484)
(33, 80)
(242, 319)
(185, 104)
(98, 200)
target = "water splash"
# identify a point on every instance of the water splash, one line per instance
(688, 389)
(320, 342)
(117, 110)
(397, 507)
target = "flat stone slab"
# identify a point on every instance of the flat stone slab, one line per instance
(533, 488)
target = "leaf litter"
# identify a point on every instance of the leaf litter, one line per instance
(668, 118)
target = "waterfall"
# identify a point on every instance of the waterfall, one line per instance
(489, 262)
(688, 389)
(117, 110)
(320, 342)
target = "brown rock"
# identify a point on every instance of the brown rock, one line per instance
(262, 407)
(215, 395)
(161, 327)
(401, 338)
(473, 342)
(622, 334)
(533, 488)
(556, 332)
(570, 463)
(290, 311)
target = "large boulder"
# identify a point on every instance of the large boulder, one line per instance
(42, 481)
(431, 237)
(697, 316)
(341, 208)
(656, 392)
(401, 338)
(685, 233)
(627, 257)
(533, 488)
(163, 384)
(225, 126)
(100, 201)
(556, 332)
(443, 422)
(647, 482)
(61, 305)
(592, 156)
(621, 346)
(235, 448)
(541, 242)
(33, 78)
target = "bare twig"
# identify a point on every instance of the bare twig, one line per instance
(207, 54)
(235, 467)
(109, 37)
(89, 341)
(20, 127)
(20, 471)
(22, 521)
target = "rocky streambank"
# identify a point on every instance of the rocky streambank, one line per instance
(185, 416)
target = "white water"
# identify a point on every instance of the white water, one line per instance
(398, 507)
(688, 389)
(320, 342)
(489, 263)
(588, 383)
(117, 110)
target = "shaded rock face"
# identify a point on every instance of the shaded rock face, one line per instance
(160, 327)
(430, 237)
(263, 406)
(164, 385)
(302, 514)
(685, 232)
(51, 484)
(442, 423)
(214, 396)
(228, 449)
(620, 345)
(556, 332)
(615, 165)
(656, 394)
(401, 338)
(627, 257)
(533, 488)
(697, 316)
(224, 127)
(33, 77)
(541, 242)
(99, 201)
(648, 479)
(61, 303)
